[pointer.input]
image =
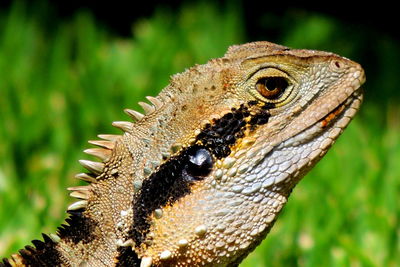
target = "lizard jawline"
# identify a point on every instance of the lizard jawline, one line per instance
(327, 122)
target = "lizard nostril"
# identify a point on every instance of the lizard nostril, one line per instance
(337, 64)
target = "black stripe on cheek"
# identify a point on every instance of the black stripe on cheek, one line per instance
(223, 133)
(171, 182)
(174, 178)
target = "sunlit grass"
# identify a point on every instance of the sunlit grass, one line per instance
(60, 87)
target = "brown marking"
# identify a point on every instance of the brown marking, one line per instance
(331, 116)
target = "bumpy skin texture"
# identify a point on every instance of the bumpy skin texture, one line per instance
(200, 179)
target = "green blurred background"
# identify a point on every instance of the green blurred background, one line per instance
(67, 72)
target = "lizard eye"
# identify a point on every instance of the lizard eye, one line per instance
(272, 87)
(200, 163)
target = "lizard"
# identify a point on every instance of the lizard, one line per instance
(200, 178)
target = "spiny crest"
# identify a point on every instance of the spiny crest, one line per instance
(104, 151)
(42, 251)
(147, 108)
(105, 146)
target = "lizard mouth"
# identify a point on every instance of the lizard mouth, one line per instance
(346, 109)
(330, 125)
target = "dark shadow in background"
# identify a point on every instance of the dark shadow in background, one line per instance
(370, 28)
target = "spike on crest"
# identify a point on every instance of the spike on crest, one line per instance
(109, 137)
(101, 153)
(155, 101)
(81, 192)
(80, 188)
(125, 126)
(85, 177)
(55, 238)
(95, 167)
(137, 116)
(78, 205)
(79, 195)
(148, 109)
(105, 144)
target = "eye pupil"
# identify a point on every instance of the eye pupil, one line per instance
(200, 163)
(272, 87)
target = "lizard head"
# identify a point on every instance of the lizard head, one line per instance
(311, 96)
(249, 127)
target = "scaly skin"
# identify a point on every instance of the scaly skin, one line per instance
(200, 179)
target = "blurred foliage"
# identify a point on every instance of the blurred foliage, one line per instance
(63, 82)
